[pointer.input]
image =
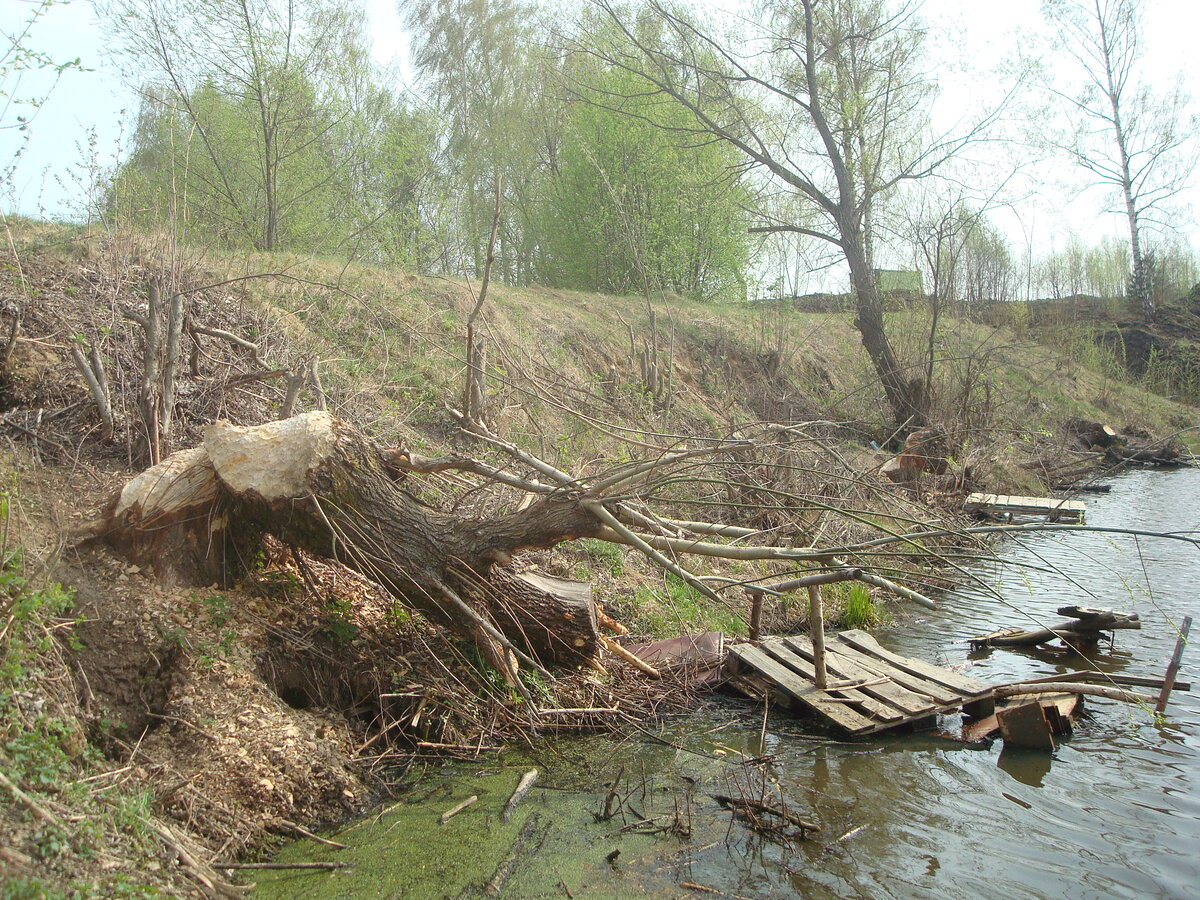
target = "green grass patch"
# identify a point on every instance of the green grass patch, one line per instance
(605, 555)
(44, 752)
(678, 608)
(860, 609)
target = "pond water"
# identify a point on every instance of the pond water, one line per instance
(1113, 813)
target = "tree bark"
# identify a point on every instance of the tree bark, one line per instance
(907, 398)
(320, 485)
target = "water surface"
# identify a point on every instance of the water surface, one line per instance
(1113, 813)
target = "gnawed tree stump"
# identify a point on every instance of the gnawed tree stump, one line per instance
(320, 485)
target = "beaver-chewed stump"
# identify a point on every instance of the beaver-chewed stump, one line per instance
(320, 485)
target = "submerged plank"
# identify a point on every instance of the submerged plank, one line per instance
(1025, 726)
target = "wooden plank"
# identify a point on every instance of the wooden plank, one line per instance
(908, 702)
(1010, 503)
(980, 729)
(806, 693)
(1016, 500)
(862, 641)
(936, 693)
(1025, 726)
(870, 707)
(1058, 708)
(866, 704)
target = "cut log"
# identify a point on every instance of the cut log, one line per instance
(1090, 434)
(320, 485)
(1160, 454)
(1025, 726)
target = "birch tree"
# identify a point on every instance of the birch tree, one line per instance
(1139, 144)
(481, 66)
(260, 86)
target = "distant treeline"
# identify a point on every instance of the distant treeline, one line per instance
(266, 125)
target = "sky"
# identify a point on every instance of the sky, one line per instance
(88, 117)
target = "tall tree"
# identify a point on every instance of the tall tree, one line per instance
(636, 206)
(828, 99)
(483, 69)
(986, 271)
(1141, 145)
(255, 89)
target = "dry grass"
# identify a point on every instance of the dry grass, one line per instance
(312, 671)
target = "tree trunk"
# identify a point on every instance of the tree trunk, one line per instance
(1140, 282)
(321, 486)
(473, 387)
(907, 398)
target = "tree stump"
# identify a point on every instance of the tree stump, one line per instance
(320, 485)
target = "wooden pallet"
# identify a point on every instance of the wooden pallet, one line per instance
(870, 688)
(1006, 506)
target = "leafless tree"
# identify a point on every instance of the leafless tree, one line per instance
(1128, 138)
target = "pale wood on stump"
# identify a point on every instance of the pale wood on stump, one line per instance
(320, 485)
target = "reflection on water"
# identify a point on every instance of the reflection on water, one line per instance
(1114, 813)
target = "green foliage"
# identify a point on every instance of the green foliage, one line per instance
(290, 138)
(26, 889)
(24, 639)
(860, 610)
(486, 71)
(217, 609)
(43, 750)
(1173, 375)
(639, 204)
(683, 609)
(608, 555)
(337, 622)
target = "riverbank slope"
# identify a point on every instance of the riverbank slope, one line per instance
(152, 730)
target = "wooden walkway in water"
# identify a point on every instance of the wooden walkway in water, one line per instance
(1007, 506)
(869, 688)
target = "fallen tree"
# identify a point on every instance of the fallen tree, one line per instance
(320, 485)
(1086, 627)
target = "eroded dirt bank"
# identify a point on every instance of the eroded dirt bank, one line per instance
(153, 731)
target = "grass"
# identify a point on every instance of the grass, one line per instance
(67, 821)
(602, 553)
(678, 608)
(860, 609)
